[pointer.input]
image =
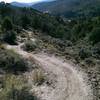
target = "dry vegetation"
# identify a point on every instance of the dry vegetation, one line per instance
(15, 88)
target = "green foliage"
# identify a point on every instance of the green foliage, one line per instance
(10, 37)
(25, 21)
(59, 33)
(7, 24)
(95, 35)
(57, 27)
(75, 32)
(96, 49)
(36, 22)
(81, 29)
(29, 18)
(83, 53)
(12, 62)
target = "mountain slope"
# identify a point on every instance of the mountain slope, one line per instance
(71, 8)
(22, 4)
(18, 4)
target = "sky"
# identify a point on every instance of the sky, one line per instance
(26, 1)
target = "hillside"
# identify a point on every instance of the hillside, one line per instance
(22, 4)
(46, 57)
(71, 8)
(18, 4)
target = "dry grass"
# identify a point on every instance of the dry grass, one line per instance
(2, 46)
(15, 88)
(38, 77)
(9, 84)
(12, 80)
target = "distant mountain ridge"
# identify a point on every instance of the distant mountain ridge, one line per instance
(18, 4)
(70, 8)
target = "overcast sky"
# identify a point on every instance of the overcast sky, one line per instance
(26, 1)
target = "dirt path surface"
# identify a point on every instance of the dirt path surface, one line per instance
(69, 81)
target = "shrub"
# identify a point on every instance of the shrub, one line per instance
(59, 32)
(89, 61)
(2, 46)
(12, 62)
(7, 24)
(83, 53)
(75, 32)
(96, 49)
(10, 37)
(95, 35)
(30, 45)
(25, 21)
(36, 22)
(15, 88)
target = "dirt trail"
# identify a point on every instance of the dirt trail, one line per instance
(70, 84)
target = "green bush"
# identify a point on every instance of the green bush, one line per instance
(59, 33)
(25, 21)
(36, 22)
(10, 37)
(7, 24)
(95, 35)
(84, 53)
(96, 50)
(12, 62)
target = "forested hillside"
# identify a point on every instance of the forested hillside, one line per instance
(71, 8)
(74, 29)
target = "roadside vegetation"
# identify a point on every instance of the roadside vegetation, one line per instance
(30, 45)
(12, 62)
(15, 88)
